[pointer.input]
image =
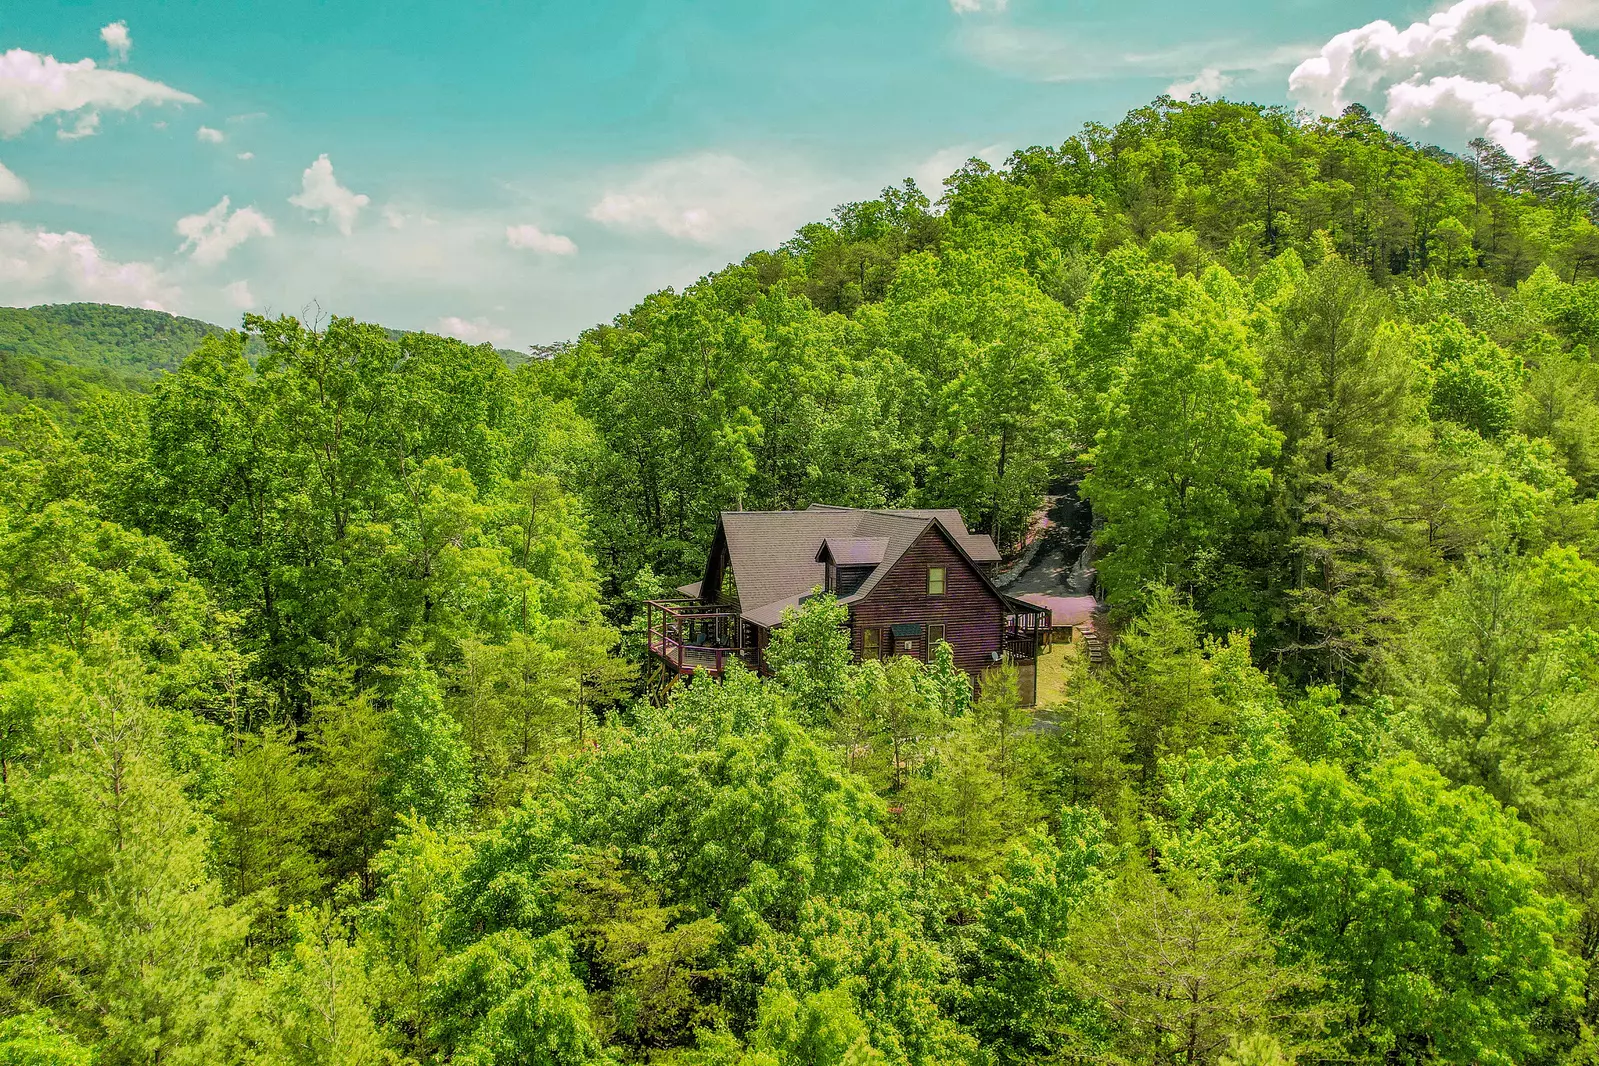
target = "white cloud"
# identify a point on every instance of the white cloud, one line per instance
(1482, 67)
(215, 233)
(967, 7)
(117, 39)
(246, 156)
(239, 295)
(534, 239)
(1577, 14)
(37, 266)
(458, 263)
(88, 125)
(474, 331)
(320, 192)
(1209, 82)
(1051, 56)
(716, 199)
(34, 86)
(13, 190)
(209, 135)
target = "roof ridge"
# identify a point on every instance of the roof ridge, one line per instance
(790, 510)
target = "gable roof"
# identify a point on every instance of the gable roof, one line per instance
(853, 551)
(980, 546)
(777, 556)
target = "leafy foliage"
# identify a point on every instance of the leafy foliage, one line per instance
(324, 735)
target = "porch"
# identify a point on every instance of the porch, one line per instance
(1027, 631)
(692, 637)
(1026, 639)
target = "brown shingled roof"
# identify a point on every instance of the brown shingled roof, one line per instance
(775, 554)
(980, 546)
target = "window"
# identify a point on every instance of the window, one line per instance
(935, 633)
(870, 649)
(830, 581)
(935, 581)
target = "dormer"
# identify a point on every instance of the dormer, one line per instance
(849, 561)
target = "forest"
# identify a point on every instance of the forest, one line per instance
(323, 732)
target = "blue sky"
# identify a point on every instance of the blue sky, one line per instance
(517, 171)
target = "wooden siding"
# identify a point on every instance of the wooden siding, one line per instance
(972, 616)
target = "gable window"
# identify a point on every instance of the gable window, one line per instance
(870, 648)
(935, 581)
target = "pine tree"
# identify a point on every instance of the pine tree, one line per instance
(321, 998)
(265, 822)
(146, 947)
(348, 744)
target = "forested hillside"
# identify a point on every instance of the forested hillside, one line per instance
(61, 355)
(323, 736)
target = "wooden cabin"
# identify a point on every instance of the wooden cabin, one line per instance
(909, 578)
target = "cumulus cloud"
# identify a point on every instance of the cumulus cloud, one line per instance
(1578, 14)
(210, 236)
(246, 156)
(473, 331)
(13, 190)
(967, 7)
(1208, 82)
(239, 295)
(88, 125)
(322, 195)
(1483, 67)
(209, 135)
(713, 199)
(117, 39)
(534, 239)
(33, 87)
(38, 266)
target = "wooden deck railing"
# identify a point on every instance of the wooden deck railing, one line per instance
(689, 636)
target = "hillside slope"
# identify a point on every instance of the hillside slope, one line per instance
(53, 353)
(127, 341)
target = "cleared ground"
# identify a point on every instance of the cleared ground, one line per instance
(1053, 670)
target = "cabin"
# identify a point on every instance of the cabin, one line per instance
(909, 577)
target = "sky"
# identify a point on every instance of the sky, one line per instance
(515, 172)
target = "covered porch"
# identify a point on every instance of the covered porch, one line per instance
(693, 637)
(1027, 633)
(1027, 630)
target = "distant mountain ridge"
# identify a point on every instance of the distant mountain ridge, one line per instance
(60, 355)
(126, 341)
(130, 342)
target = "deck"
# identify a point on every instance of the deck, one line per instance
(694, 638)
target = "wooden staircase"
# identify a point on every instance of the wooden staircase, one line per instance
(1093, 643)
